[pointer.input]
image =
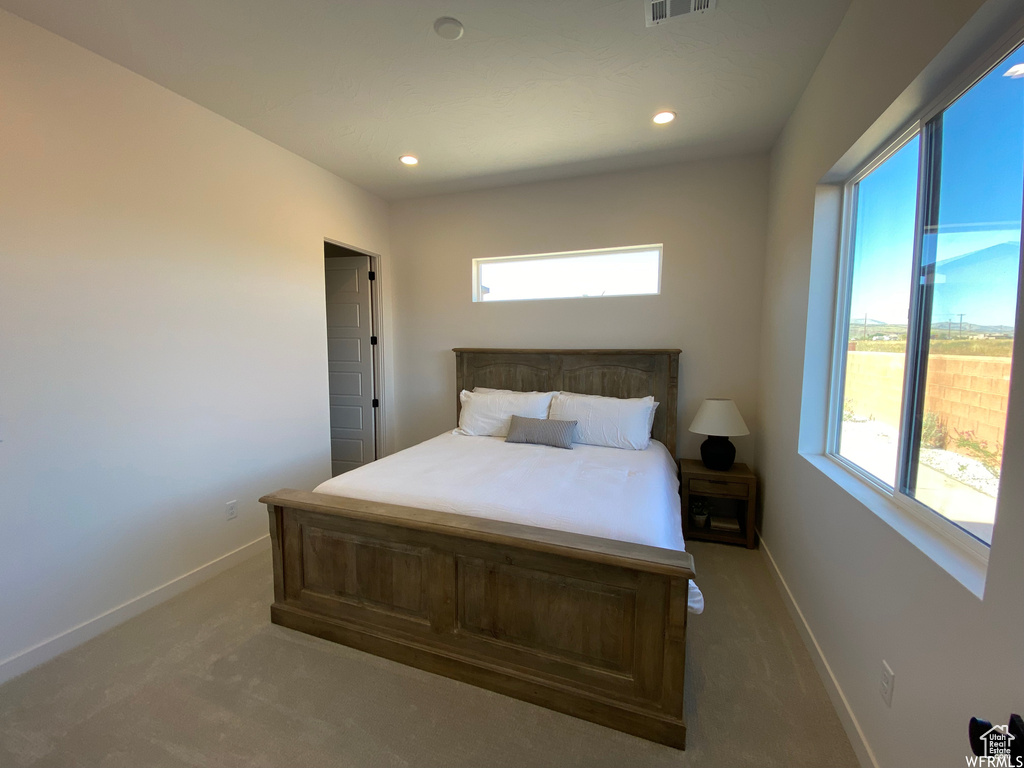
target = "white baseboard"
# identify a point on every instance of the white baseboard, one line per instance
(850, 724)
(23, 661)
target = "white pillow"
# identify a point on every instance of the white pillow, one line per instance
(490, 413)
(610, 421)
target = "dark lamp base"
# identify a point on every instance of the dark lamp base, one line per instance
(717, 453)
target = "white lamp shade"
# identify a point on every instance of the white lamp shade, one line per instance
(718, 416)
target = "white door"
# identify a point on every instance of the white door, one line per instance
(349, 358)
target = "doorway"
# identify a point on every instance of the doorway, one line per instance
(352, 357)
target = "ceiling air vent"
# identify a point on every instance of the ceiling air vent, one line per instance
(659, 11)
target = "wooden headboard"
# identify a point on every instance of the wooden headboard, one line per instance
(608, 372)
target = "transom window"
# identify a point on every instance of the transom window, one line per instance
(633, 271)
(927, 306)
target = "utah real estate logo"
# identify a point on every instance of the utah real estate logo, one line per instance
(997, 753)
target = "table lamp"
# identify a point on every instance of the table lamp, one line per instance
(719, 419)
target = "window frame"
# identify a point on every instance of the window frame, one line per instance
(841, 318)
(977, 549)
(625, 249)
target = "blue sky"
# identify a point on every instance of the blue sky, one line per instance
(979, 206)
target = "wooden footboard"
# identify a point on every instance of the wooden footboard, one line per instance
(591, 627)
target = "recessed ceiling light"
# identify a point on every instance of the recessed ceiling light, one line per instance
(448, 28)
(1016, 71)
(664, 117)
(409, 159)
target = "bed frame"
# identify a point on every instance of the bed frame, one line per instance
(591, 627)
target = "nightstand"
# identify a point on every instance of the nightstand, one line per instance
(718, 506)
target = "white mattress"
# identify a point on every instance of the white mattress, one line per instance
(607, 492)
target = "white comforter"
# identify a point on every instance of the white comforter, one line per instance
(607, 492)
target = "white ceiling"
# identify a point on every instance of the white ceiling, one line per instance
(534, 89)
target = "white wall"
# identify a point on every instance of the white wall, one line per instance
(710, 216)
(866, 593)
(162, 334)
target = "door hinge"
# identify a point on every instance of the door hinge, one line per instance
(373, 275)
(373, 341)
(376, 403)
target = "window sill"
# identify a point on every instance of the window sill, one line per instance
(963, 564)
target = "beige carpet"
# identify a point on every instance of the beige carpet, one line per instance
(206, 680)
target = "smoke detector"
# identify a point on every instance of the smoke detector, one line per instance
(659, 11)
(448, 28)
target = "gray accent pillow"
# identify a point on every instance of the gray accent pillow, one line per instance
(557, 434)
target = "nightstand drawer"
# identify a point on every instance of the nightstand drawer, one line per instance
(720, 488)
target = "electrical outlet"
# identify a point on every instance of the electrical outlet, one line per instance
(231, 510)
(888, 682)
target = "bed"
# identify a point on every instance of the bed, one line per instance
(529, 603)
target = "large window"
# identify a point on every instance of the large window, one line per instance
(927, 306)
(576, 274)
